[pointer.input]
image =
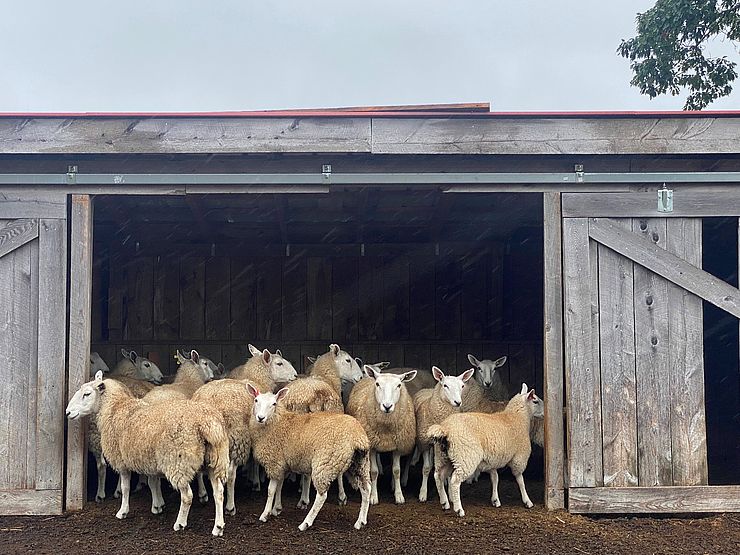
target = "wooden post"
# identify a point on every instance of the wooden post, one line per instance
(79, 344)
(553, 354)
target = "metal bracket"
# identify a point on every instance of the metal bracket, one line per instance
(665, 199)
(578, 168)
(326, 172)
(71, 175)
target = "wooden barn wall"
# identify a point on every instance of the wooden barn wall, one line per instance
(413, 309)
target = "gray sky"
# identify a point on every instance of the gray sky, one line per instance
(186, 55)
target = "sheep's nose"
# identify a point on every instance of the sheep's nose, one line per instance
(486, 384)
(261, 418)
(458, 403)
(387, 407)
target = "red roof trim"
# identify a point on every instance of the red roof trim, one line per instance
(369, 114)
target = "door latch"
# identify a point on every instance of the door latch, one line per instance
(665, 199)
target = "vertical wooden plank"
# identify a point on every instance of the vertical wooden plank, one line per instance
(80, 300)
(232, 355)
(345, 296)
(475, 281)
(16, 343)
(686, 361)
(99, 293)
(166, 310)
(52, 324)
(269, 301)
(32, 405)
(367, 352)
(417, 356)
(618, 393)
(652, 365)
(116, 290)
(243, 299)
(294, 299)
(422, 293)
(448, 301)
(370, 324)
(218, 289)
(319, 279)
(396, 298)
(391, 352)
(192, 298)
(496, 293)
(521, 363)
(582, 369)
(139, 299)
(444, 356)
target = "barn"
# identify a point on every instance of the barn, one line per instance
(598, 251)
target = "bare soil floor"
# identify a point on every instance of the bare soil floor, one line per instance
(409, 529)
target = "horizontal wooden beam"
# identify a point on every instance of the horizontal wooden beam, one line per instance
(30, 502)
(668, 499)
(687, 202)
(667, 265)
(32, 204)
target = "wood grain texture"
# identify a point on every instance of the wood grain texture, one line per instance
(553, 353)
(166, 302)
(371, 299)
(32, 204)
(555, 136)
(618, 394)
(139, 299)
(686, 362)
(80, 298)
(396, 297)
(243, 299)
(183, 135)
(669, 499)
(687, 202)
(668, 266)
(192, 298)
(218, 284)
(269, 299)
(16, 234)
(52, 325)
(30, 502)
(345, 298)
(295, 298)
(318, 285)
(582, 355)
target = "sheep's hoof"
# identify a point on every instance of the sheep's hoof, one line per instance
(529, 504)
(157, 510)
(231, 511)
(302, 505)
(422, 498)
(203, 499)
(446, 506)
(342, 501)
(121, 515)
(400, 499)
(496, 503)
(460, 512)
(117, 494)
(276, 511)
(358, 524)
(263, 518)
(99, 499)
(218, 531)
(303, 526)
(177, 527)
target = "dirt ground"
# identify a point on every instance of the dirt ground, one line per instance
(409, 529)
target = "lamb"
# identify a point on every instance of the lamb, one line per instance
(488, 389)
(385, 409)
(323, 445)
(424, 380)
(432, 406)
(468, 441)
(175, 440)
(191, 374)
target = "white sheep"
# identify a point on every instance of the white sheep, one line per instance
(386, 411)
(191, 374)
(466, 442)
(432, 406)
(323, 445)
(174, 439)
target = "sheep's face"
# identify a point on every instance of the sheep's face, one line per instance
(265, 404)
(349, 370)
(146, 369)
(86, 400)
(97, 364)
(535, 404)
(452, 386)
(485, 370)
(281, 369)
(388, 387)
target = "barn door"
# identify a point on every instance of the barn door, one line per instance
(633, 290)
(33, 284)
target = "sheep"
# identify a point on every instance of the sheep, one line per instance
(191, 374)
(175, 440)
(135, 366)
(386, 411)
(432, 406)
(347, 385)
(323, 445)
(484, 393)
(97, 364)
(424, 380)
(465, 442)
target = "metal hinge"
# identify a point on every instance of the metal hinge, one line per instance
(71, 175)
(665, 199)
(326, 172)
(578, 168)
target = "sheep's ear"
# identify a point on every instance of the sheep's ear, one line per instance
(278, 353)
(383, 365)
(474, 361)
(124, 353)
(311, 359)
(221, 369)
(254, 350)
(408, 376)
(99, 376)
(253, 391)
(266, 356)
(437, 373)
(467, 374)
(370, 371)
(334, 348)
(359, 362)
(194, 356)
(101, 387)
(499, 362)
(524, 389)
(280, 394)
(133, 356)
(531, 395)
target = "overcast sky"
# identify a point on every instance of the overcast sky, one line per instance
(186, 55)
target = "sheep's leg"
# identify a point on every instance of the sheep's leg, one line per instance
(202, 491)
(427, 468)
(271, 488)
(455, 481)
(441, 471)
(305, 499)
(525, 498)
(373, 478)
(397, 478)
(365, 492)
(102, 472)
(256, 485)
(186, 500)
(495, 501)
(473, 478)
(125, 489)
(342, 493)
(140, 483)
(277, 506)
(230, 487)
(317, 504)
(155, 485)
(218, 498)
(117, 493)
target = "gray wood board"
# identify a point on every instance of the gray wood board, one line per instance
(687, 201)
(670, 499)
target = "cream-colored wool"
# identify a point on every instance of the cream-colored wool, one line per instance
(322, 445)
(537, 431)
(257, 371)
(478, 399)
(320, 391)
(174, 439)
(467, 442)
(423, 379)
(189, 377)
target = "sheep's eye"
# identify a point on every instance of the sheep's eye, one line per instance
(146, 365)
(348, 360)
(86, 394)
(255, 400)
(377, 384)
(445, 385)
(399, 386)
(275, 403)
(279, 363)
